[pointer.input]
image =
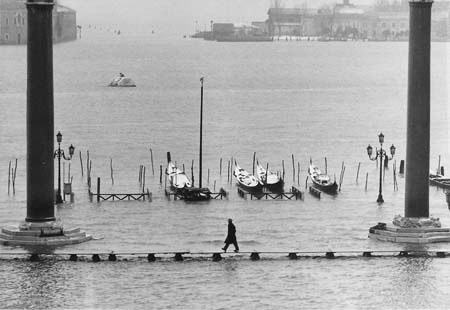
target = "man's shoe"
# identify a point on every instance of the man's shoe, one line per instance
(236, 251)
(225, 250)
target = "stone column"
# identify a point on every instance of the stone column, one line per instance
(40, 227)
(40, 135)
(418, 119)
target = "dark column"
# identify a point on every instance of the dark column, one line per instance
(40, 166)
(418, 121)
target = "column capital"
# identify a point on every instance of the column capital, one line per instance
(420, 3)
(40, 3)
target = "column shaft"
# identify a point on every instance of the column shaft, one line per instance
(40, 135)
(418, 118)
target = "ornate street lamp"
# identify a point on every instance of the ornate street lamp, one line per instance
(381, 154)
(60, 153)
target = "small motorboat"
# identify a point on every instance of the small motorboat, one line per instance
(322, 181)
(122, 81)
(269, 180)
(246, 180)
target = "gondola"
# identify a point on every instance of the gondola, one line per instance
(196, 193)
(322, 181)
(177, 178)
(273, 182)
(246, 180)
(181, 185)
(439, 180)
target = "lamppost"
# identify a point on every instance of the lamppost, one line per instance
(380, 153)
(60, 153)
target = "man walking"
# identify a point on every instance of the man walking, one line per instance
(231, 237)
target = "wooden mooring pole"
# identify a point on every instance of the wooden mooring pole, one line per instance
(367, 177)
(81, 163)
(357, 173)
(88, 174)
(112, 172)
(140, 175)
(192, 172)
(98, 189)
(394, 170)
(14, 178)
(293, 169)
(9, 176)
(151, 160)
(402, 166)
(143, 181)
(254, 158)
(341, 178)
(231, 170)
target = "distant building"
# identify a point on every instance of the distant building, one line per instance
(293, 22)
(388, 25)
(257, 31)
(260, 27)
(13, 23)
(347, 21)
(222, 29)
(391, 22)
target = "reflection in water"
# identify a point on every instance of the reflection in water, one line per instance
(411, 277)
(230, 266)
(47, 284)
(38, 283)
(388, 283)
(419, 248)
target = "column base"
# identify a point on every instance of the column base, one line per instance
(411, 230)
(49, 233)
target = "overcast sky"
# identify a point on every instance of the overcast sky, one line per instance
(176, 16)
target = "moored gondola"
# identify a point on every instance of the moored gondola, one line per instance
(182, 186)
(246, 180)
(196, 194)
(177, 178)
(271, 181)
(439, 180)
(322, 181)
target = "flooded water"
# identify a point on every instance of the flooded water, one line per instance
(306, 99)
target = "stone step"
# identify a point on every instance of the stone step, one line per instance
(402, 239)
(48, 242)
(71, 230)
(36, 232)
(15, 231)
(416, 230)
(26, 237)
(411, 234)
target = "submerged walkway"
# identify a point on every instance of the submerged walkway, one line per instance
(217, 256)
